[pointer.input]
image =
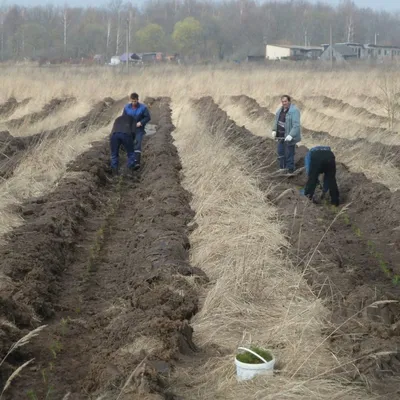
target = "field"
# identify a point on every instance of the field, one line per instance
(144, 288)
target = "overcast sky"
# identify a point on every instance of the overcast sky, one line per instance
(387, 5)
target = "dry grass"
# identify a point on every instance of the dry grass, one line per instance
(256, 296)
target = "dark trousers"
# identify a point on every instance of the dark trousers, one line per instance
(117, 139)
(323, 162)
(138, 143)
(286, 155)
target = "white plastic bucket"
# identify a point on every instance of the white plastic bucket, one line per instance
(246, 371)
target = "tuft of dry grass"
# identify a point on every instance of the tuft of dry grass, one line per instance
(23, 341)
(14, 375)
(20, 343)
(257, 297)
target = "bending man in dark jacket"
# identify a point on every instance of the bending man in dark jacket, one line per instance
(321, 160)
(140, 112)
(123, 132)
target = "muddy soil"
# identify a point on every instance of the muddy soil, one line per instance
(53, 106)
(381, 152)
(105, 264)
(14, 148)
(352, 261)
(10, 106)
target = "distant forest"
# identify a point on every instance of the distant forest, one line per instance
(192, 28)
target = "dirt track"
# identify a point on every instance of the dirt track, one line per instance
(105, 264)
(14, 148)
(356, 263)
(380, 151)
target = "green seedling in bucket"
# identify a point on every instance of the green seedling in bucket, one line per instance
(250, 358)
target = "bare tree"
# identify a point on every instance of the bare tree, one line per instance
(118, 41)
(2, 35)
(115, 7)
(65, 25)
(108, 34)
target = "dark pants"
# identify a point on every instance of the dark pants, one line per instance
(138, 142)
(286, 155)
(117, 139)
(323, 162)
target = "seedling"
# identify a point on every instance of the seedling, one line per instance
(55, 348)
(32, 395)
(250, 358)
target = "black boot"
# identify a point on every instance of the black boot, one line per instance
(137, 161)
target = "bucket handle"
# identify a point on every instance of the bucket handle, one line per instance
(254, 353)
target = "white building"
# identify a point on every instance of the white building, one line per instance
(377, 52)
(286, 52)
(348, 51)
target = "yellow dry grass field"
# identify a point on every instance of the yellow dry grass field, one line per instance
(256, 293)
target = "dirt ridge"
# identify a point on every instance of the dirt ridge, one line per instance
(11, 105)
(357, 263)
(346, 107)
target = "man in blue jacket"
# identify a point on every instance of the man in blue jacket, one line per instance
(321, 160)
(286, 130)
(140, 113)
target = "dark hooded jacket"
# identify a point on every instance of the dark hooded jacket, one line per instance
(124, 124)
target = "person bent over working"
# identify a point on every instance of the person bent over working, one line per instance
(123, 133)
(140, 112)
(321, 160)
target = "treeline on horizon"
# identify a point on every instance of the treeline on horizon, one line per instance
(193, 28)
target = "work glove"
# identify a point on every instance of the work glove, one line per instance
(288, 138)
(273, 134)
